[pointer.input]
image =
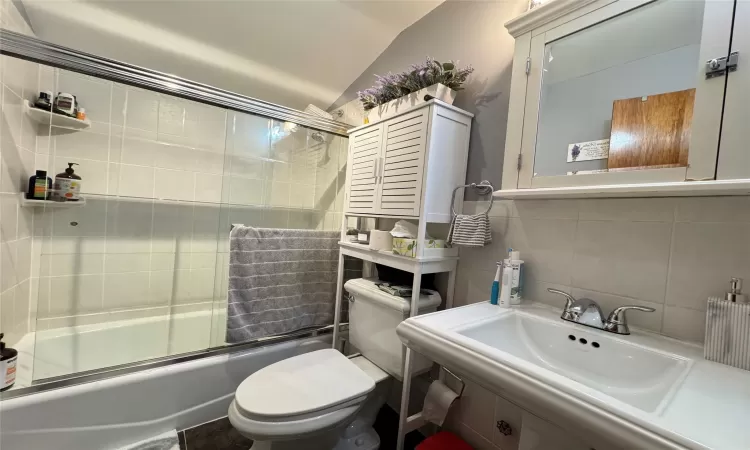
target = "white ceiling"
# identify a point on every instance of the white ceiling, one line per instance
(286, 52)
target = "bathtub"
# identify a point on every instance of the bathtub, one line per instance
(116, 411)
(64, 351)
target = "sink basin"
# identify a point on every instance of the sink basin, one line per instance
(638, 376)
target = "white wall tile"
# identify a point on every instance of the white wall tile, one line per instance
(135, 181)
(632, 209)
(704, 257)
(684, 323)
(70, 295)
(80, 145)
(70, 264)
(624, 258)
(126, 290)
(245, 191)
(713, 209)
(174, 185)
(161, 287)
(142, 110)
(208, 188)
(127, 262)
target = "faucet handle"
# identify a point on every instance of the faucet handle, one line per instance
(617, 320)
(570, 300)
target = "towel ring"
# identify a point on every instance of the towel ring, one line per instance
(484, 187)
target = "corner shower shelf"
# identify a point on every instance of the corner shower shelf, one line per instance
(57, 120)
(30, 203)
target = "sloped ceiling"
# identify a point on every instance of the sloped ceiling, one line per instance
(286, 52)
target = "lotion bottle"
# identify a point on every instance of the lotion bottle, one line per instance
(506, 285)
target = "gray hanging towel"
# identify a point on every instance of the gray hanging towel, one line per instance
(470, 231)
(280, 281)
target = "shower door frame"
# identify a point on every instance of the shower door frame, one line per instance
(36, 50)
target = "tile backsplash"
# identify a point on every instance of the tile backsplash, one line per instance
(667, 253)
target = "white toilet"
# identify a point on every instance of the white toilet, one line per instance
(323, 400)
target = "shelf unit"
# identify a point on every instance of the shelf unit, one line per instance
(405, 167)
(31, 203)
(50, 118)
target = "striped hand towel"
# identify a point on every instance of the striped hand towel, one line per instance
(280, 280)
(470, 231)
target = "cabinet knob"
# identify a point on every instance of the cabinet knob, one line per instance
(504, 427)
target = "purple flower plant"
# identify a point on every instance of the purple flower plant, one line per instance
(420, 76)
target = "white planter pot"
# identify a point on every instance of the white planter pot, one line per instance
(438, 91)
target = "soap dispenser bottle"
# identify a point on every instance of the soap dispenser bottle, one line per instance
(68, 185)
(8, 358)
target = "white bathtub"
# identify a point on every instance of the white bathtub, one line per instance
(110, 413)
(64, 351)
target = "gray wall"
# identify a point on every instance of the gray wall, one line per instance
(471, 33)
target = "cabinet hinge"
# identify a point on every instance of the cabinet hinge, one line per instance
(519, 162)
(528, 65)
(719, 66)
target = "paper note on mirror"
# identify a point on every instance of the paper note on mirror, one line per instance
(587, 151)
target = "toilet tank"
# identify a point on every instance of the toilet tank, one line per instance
(373, 318)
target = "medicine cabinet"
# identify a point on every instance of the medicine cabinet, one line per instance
(628, 92)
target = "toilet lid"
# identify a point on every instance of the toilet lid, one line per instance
(302, 384)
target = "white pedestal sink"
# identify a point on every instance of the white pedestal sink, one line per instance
(635, 375)
(640, 391)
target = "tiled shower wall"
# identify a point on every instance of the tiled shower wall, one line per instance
(164, 178)
(167, 177)
(17, 146)
(667, 253)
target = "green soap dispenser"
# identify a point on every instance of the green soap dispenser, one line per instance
(68, 185)
(8, 358)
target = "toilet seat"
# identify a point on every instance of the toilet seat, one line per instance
(306, 393)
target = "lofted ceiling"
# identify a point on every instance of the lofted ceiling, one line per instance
(286, 52)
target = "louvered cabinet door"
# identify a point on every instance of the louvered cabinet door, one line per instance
(362, 173)
(402, 163)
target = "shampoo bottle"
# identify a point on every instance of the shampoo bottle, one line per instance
(39, 186)
(8, 358)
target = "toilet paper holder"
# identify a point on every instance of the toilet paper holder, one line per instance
(463, 385)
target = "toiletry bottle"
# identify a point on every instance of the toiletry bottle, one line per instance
(496, 284)
(65, 104)
(44, 101)
(516, 293)
(68, 185)
(39, 186)
(506, 285)
(8, 358)
(735, 294)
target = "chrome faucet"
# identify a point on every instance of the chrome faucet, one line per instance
(587, 312)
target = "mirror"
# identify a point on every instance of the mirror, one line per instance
(619, 95)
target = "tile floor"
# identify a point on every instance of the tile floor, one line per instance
(216, 435)
(220, 435)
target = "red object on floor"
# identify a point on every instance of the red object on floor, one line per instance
(444, 440)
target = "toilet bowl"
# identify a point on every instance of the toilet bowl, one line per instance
(316, 401)
(323, 400)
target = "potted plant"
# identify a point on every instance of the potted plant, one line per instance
(395, 92)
